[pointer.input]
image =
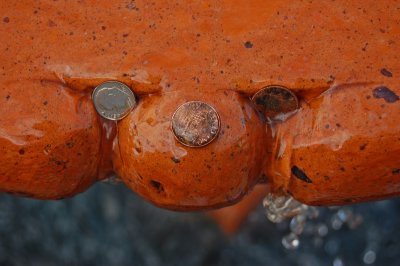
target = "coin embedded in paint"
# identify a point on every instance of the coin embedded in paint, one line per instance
(113, 100)
(273, 100)
(195, 124)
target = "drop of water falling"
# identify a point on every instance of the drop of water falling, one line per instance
(338, 262)
(297, 224)
(291, 241)
(279, 208)
(336, 222)
(322, 230)
(274, 217)
(344, 214)
(369, 257)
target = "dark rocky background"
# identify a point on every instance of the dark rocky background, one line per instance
(109, 225)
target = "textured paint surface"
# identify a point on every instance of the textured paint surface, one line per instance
(341, 59)
(154, 164)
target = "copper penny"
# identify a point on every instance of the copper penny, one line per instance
(274, 100)
(113, 100)
(195, 124)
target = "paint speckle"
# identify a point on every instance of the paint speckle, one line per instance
(362, 147)
(132, 6)
(175, 160)
(365, 47)
(386, 73)
(157, 185)
(51, 23)
(248, 45)
(6, 20)
(385, 93)
(297, 172)
(70, 144)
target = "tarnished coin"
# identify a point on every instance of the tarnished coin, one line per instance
(274, 100)
(195, 124)
(113, 100)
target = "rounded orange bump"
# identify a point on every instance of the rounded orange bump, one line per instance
(151, 161)
(50, 141)
(341, 148)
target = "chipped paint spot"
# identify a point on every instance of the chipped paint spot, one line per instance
(385, 93)
(297, 172)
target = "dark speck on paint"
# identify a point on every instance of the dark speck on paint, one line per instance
(385, 93)
(386, 73)
(175, 159)
(297, 172)
(248, 45)
(157, 186)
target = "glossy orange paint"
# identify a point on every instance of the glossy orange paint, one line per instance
(151, 161)
(341, 59)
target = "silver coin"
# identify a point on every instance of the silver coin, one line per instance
(113, 100)
(195, 124)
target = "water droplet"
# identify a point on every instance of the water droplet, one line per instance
(322, 230)
(274, 217)
(297, 224)
(338, 262)
(291, 241)
(369, 257)
(344, 214)
(279, 208)
(336, 222)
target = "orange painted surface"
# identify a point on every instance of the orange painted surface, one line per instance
(151, 161)
(340, 58)
(231, 218)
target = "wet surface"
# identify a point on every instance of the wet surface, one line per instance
(149, 151)
(331, 55)
(195, 124)
(108, 225)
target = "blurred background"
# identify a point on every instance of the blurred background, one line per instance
(110, 225)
